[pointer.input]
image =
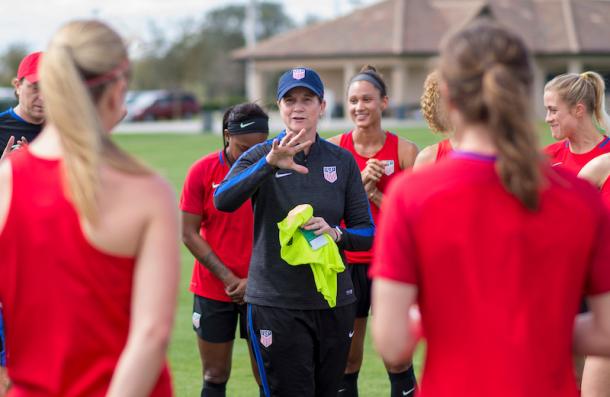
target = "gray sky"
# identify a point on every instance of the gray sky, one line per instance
(32, 22)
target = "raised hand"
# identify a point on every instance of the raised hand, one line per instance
(8, 147)
(20, 143)
(11, 145)
(282, 152)
(373, 171)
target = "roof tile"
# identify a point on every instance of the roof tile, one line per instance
(545, 26)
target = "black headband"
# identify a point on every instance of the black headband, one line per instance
(367, 77)
(257, 124)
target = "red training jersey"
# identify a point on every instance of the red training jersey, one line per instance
(389, 154)
(497, 283)
(443, 149)
(66, 304)
(559, 154)
(229, 235)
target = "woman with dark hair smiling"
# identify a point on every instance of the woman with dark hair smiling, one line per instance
(381, 156)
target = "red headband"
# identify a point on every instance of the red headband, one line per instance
(108, 76)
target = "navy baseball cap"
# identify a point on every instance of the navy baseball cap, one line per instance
(300, 77)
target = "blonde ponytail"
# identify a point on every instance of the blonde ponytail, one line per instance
(587, 88)
(600, 116)
(78, 51)
(431, 106)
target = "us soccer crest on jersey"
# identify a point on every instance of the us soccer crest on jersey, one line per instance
(389, 167)
(330, 174)
(298, 74)
(266, 337)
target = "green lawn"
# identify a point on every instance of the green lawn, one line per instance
(171, 155)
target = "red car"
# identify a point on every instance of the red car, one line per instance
(158, 105)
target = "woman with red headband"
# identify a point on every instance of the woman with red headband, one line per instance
(89, 237)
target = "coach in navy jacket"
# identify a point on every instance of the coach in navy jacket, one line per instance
(301, 343)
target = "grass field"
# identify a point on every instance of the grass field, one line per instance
(171, 155)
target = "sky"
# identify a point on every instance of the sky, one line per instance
(32, 22)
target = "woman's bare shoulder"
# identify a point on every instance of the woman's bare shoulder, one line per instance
(426, 156)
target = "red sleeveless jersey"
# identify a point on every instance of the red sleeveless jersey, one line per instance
(66, 304)
(560, 155)
(605, 190)
(444, 148)
(389, 154)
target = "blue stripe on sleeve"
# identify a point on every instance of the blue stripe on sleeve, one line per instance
(248, 172)
(236, 180)
(368, 231)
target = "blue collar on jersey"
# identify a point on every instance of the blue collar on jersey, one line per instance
(14, 115)
(462, 154)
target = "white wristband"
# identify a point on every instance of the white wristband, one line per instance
(339, 233)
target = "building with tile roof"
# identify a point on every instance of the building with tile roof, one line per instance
(401, 39)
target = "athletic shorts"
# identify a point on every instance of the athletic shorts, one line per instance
(301, 352)
(215, 321)
(362, 288)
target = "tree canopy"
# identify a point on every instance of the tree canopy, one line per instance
(199, 60)
(9, 62)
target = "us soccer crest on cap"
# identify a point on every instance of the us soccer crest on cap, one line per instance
(300, 77)
(298, 74)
